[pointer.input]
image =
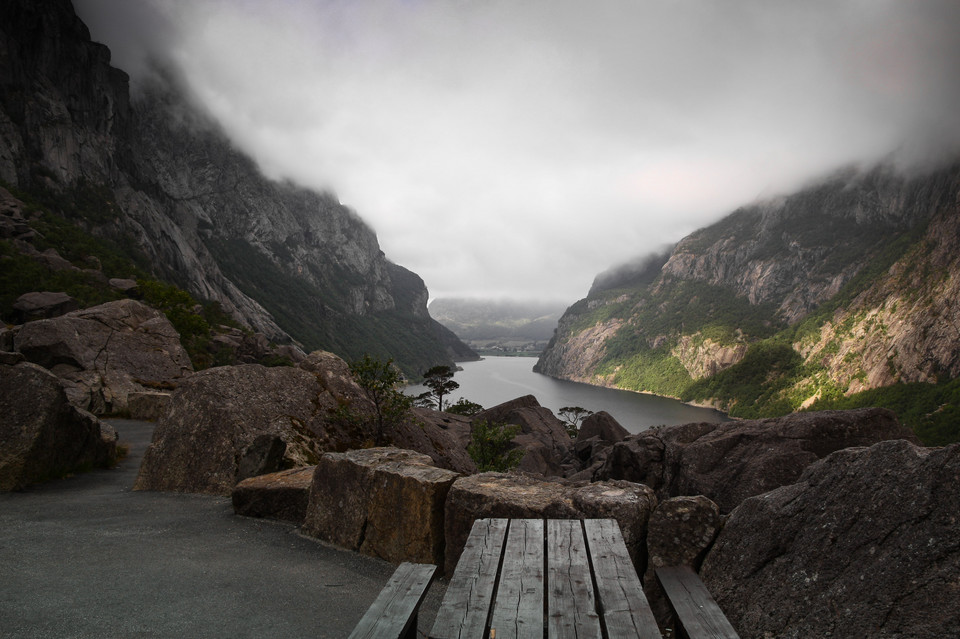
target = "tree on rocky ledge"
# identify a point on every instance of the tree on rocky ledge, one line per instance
(572, 416)
(379, 382)
(439, 380)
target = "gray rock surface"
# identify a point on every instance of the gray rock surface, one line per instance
(104, 353)
(43, 305)
(227, 423)
(731, 461)
(864, 544)
(42, 436)
(385, 502)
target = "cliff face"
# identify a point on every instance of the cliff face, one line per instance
(847, 285)
(283, 260)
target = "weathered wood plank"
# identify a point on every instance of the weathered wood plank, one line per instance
(696, 611)
(518, 609)
(465, 608)
(626, 612)
(393, 614)
(571, 607)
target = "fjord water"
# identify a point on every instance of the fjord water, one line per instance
(494, 380)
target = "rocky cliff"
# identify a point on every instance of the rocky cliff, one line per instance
(155, 172)
(847, 285)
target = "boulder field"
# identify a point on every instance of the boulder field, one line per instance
(814, 524)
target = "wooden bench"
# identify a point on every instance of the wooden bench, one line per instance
(526, 577)
(696, 613)
(393, 615)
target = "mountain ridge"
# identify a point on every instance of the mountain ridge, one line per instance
(282, 260)
(844, 286)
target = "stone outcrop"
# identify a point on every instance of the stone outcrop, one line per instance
(890, 232)
(524, 496)
(731, 461)
(43, 436)
(679, 533)
(544, 437)
(282, 495)
(384, 502)
(43, 305)
(597, 434)
(864, 544)
(228, 423)
(104, 353)
(442, 436)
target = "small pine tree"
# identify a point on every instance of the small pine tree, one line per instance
(379, 381)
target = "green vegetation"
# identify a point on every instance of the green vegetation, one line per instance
(465, 407)
(491, 448)
(755, 387)
(309, 312)
(380, 382)
(931, 410)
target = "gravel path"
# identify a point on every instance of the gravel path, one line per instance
(88, 557)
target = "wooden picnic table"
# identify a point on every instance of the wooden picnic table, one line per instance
(526, 578)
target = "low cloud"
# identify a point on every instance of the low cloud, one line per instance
(530, 145)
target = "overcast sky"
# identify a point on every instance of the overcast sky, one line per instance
(517, 148)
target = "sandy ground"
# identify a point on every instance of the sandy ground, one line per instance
(88, 557)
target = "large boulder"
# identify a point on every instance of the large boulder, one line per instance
(544, 437)
(282, 495)
(385, 502)
(42, 435)
(597, 434)
(518, 495)
(228, 423)
(442, 436)
(731, 461)
(104, 353)
(864, 544)
(43, 305)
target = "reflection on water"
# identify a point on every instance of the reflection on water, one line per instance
(495, 380)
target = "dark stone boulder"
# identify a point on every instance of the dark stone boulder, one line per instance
(442, 436)
(597, 434)
(282, 495)
(731, 461)
(228, 423)
(603, 426)
(43, 305)
(385, 502)
(43, 436)
(104, 353)
(864, 544)
(544, 437)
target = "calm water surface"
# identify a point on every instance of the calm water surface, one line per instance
(495, 380)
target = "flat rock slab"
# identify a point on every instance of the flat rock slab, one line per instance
(282, 495)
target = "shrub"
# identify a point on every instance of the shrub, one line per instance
(491, 447)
